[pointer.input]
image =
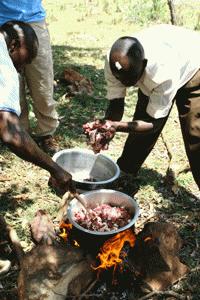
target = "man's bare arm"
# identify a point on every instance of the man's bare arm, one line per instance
(20, 143)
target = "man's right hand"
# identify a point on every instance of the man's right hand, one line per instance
(21, 143)
(61, 181)
(99, 133)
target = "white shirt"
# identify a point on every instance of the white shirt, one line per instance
(173, 55)
(9, 81)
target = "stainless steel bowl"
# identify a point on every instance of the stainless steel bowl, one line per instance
(84, 165)
(98, 197)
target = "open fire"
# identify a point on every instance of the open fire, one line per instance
(153, 244)
(124, 263)
(60, 270)
(111, 251)
(111, 254)
(65, 229)
(128, 263)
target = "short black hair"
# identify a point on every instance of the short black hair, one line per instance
(129, 47)
(18, 30)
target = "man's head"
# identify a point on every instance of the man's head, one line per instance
(21, 41)
(127, 60)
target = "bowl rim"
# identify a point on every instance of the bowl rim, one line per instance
(111, 232)
(80, 150)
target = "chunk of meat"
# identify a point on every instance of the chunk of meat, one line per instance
(99, 133)
(103, 218)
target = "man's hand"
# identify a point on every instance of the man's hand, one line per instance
(61, 181)
(99, 133)
(19, 141)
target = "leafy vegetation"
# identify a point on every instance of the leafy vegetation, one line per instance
(81, 32)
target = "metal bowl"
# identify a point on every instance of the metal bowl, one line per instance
(84, 166)
(98, 197)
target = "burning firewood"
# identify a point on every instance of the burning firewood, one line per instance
(55, 271)
(110, 252)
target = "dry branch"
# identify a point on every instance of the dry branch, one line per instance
(164, 293)
(12, 235)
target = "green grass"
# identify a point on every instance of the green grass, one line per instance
(80, 38)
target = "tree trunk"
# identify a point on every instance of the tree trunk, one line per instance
(172, 11)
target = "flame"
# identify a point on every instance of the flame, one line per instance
(111, 249)
(76, 244)
(65, 227)
(148, 238)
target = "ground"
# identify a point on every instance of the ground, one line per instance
(80, 39)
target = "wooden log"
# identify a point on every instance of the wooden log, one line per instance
(53, 272)
(155, 256)
(52, 269)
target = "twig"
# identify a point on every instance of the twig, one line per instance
(81, 200)
(197, 268)
(12, 274)
(13, 238)
(88, 289)
(165, 293)
(3, 243)
(169, 151)
(170, 172)
(88, 296)
(63, 207)
(146, 219)
(12, 293)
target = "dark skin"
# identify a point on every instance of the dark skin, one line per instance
(101, 132)
(20, 142)
(114, 113)
(128, 76)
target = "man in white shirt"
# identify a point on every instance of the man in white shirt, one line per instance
(38, 76)
(163, 61)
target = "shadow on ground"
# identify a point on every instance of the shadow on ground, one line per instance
(76, 110)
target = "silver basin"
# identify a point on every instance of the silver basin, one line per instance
(98, 197)
(84, 165)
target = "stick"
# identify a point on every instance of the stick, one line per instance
(147, 219)
(81, 200)
(63, 207)
(13, 238)
(160, 293)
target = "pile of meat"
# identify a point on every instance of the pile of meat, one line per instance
(99, 134)
(103, 218)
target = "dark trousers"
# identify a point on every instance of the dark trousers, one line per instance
(138, 146)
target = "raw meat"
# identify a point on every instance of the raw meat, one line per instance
(103, 218)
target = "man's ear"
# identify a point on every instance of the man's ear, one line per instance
(145, 62)
(13, 46)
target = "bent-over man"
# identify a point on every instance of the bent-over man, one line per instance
(163, 61)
